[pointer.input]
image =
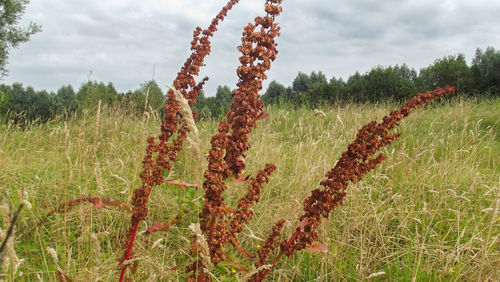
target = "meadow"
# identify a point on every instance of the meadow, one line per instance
(429, 212)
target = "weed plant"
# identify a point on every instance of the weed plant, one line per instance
(416, 217)
(430, 211)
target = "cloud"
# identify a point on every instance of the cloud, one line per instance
(121, 40)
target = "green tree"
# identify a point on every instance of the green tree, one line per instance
(300, 83)
(133, 100)
(317, 77)
(223, 98)
(11, 34)
(201, 106)
(486, 70)
(317, 94)
(214, 107)
(206, 107)
(42, 107)
(4, 97)
(355, 88)
(136, 100)
(156, 99)
(451, 70)
(26, 105)
(275, 93)
(209, 109)
(18, 104)
(394, 83)
(91, 92)
(336, 87)
(65, 100)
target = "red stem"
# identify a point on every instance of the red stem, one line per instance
(238, 247)
(294, 235)
(129, 250)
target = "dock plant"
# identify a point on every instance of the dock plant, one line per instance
(218, 224)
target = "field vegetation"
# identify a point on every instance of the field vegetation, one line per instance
(430, 211)
(265, 201)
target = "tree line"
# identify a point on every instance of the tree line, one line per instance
(397, 83)
(20, 104)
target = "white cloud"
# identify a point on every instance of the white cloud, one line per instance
(121, 40)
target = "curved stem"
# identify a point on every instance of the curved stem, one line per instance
(235, 243)
(129, 250)
(288, 244)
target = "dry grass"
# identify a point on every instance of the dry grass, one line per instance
(430, 212)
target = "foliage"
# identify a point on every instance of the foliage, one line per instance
(450, 70)
(91, 92)
(11, 34)
(65, 100)
(391, 83)
(223, 217)
(486, 70)
(300, 83)
(4, 97)
(161, 154)
(23, 105)
(275, 93)
(223, 98)
(26, 104)
(396, 83)
(148, 96)
(214, 107)
(382, 226)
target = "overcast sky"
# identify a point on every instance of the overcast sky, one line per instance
(119, 41)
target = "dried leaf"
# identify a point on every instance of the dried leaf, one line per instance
(165, 226)
(100, 203)
(262, 116)
(317, 247)
(62, 277)
(241, 179)
(135, 265)
(183, 184)
(160, 226)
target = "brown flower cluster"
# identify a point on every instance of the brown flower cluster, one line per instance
(226, 157)
(270, 244)
(258, 49)
(244, 212)
(351, 167)
(159, 157)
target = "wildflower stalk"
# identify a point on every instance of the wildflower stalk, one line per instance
(354, 163)
(173, 124)
(229, 145)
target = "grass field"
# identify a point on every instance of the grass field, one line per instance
(430, 212)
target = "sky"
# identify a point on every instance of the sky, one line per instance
(128, 42)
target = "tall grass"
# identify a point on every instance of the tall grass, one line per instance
(429, 212)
